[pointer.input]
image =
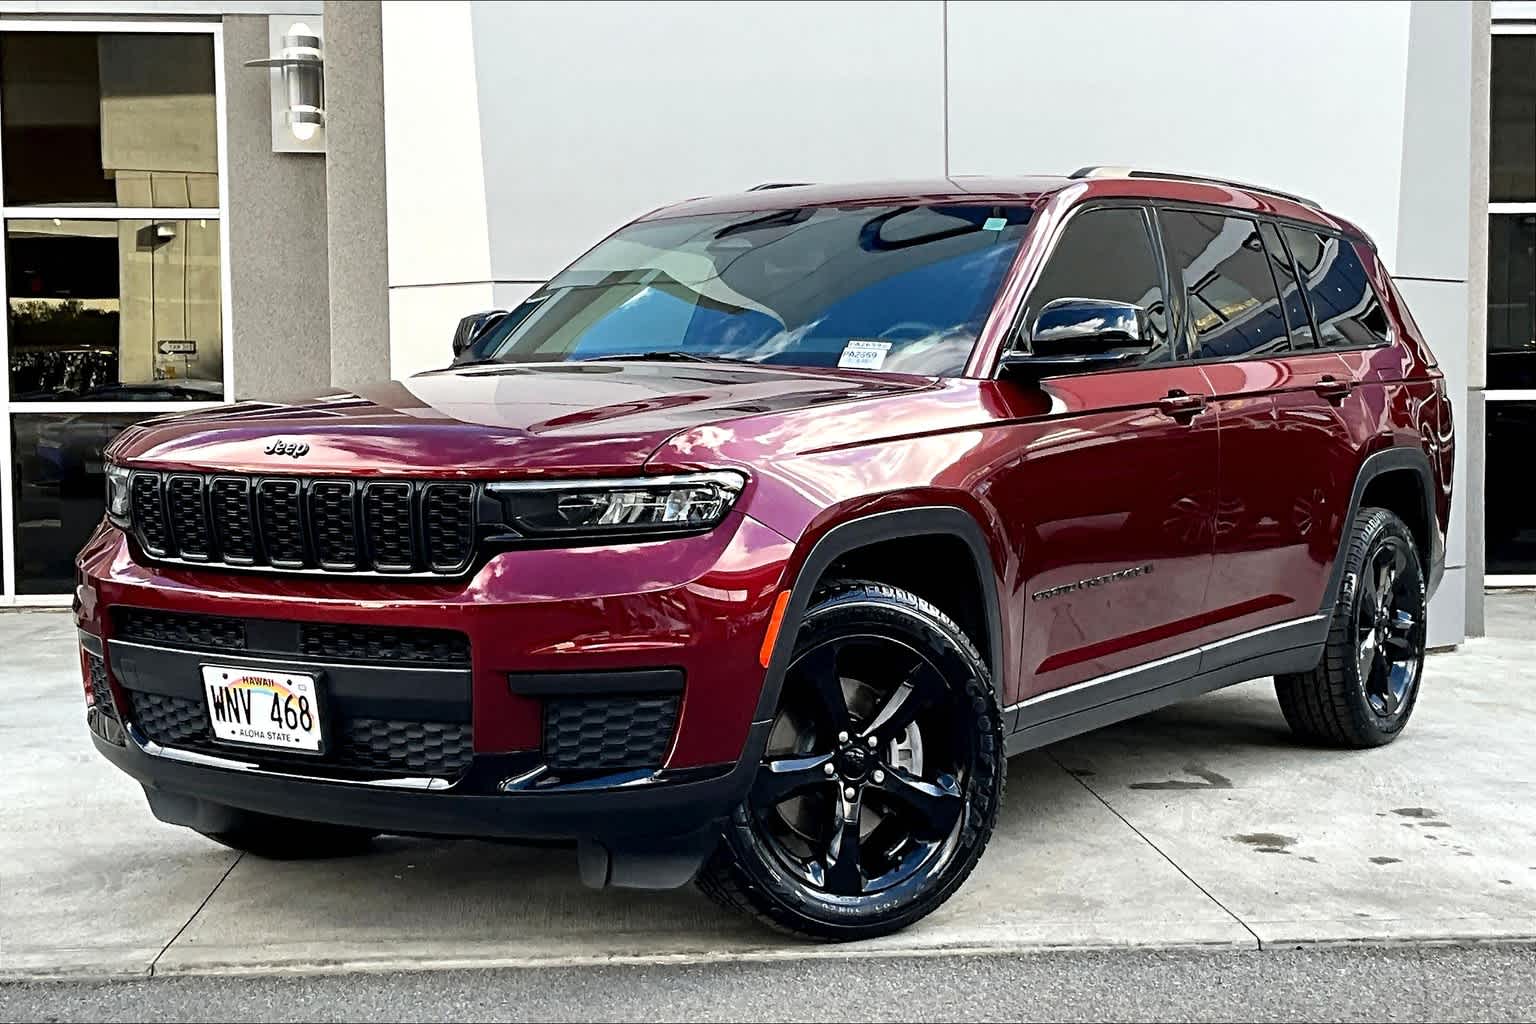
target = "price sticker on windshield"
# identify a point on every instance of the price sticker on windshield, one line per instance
(863, 354)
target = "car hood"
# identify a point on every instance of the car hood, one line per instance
(492, 420)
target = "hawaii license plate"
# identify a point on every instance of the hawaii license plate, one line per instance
(257, 708)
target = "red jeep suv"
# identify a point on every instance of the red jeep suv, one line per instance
(749, 546)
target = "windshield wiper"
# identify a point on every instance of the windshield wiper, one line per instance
(667, 356)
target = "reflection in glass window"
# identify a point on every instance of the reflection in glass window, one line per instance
(1107, 254)
(109, 310)
(57, 473)
(1512, 120)
(1295, 307)
(1344, 303)
(115, 119)
(1234, 310)
(1509, 513)
(1512, 300)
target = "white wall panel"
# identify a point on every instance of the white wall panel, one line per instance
(422, 321)
(433, 170)
(1302, 98)
(594, 113)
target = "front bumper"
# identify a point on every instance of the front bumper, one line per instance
(648, 832)
(538, 623)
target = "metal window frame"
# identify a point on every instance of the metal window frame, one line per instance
(215, 31)
(1498, 581)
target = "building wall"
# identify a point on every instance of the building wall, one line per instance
(355, 192)
(555, 123)
(277, 236)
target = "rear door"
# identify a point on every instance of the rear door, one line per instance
(1112, 493)
(1285, 471)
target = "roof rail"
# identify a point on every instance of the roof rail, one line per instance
(1111, 171)
(777, 184)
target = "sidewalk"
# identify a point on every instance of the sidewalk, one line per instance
(1200, 825)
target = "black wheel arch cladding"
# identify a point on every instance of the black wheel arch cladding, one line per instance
(939, 520)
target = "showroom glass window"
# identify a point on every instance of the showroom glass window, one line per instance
(112, 257)
(1509, 514)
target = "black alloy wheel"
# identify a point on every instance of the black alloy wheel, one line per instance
(881, 777)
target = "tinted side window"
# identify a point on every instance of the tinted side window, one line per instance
(1344, 304)
(1295, 307)
(1107, 254)
(1234, 310)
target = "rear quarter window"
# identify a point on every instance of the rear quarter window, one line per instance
(1345, 306)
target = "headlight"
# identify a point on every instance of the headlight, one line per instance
(689, 501)
(119, 494)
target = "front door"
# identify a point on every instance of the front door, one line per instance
(1113, 492)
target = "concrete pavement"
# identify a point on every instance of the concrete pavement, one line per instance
(1202, 825)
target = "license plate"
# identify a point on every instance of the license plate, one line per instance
(257, 708)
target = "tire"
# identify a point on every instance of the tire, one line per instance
(1364, 690)
(276, 838)
(887, 745)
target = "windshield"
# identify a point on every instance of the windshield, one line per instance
(902, 288)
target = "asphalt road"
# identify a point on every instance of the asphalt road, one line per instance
(1341, 983)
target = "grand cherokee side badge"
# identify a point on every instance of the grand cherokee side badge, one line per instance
(1092, 581)
(294, 449)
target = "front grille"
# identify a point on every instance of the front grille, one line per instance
(428, 748)
(149, 514)
(391, 527)
(101, 715)
(234, 527)
(189, 517)
(608, 733)
(333, 518)
(101, 691)
(295, 523)
(439, 647)
(281, 522)
(448, 525)
(439, 749)
(154, 627)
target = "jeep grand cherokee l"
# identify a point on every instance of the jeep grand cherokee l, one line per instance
(749, 546)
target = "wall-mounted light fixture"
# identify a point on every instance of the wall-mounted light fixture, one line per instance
(298, 83)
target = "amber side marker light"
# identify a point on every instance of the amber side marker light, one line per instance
(774, 622)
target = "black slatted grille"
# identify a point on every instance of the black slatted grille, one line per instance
(391, 526)
(383, 526)
(440, 749)
(146, 626)
(332, 641)
(101, 692)
(149, 514)
(189, 517)
(448, 525)
(234, 529)
(282, 523)
(333, 523)
(608, 733)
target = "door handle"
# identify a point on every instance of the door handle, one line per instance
(1181, 405)
(1333, 389)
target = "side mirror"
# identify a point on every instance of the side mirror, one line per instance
(474, 326)
(1080, 336)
